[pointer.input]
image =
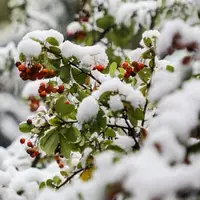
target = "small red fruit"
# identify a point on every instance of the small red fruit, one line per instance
(43, 94)
(186, 60)
(42, 86)
(29, 121)
(30, 144)
(61, 89)
(22, 140)
(100, 68)
(52, 73)
(129, 70)
(21, 68)
(125, 65)
(126, 75)
(140, 66)
(40, 75)
(67, 102)
(34, 106)
(61, 165)
(18, 64)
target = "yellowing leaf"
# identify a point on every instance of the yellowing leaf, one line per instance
(87, 174)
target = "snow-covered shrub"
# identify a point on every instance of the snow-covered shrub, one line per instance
(121, 123)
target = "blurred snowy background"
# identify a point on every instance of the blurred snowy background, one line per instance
(17, 17)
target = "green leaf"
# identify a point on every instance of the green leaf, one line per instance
(121, 36)
(57, 180)
(49, 183)
(145, 74)
(63, 109)
(65, 148)
(71, 134)
(100, 122)
(105, 22)
(25, 128)
(112, 69)
(52, 41)
(115, 148)
(152, 63)
(55, 50)
(110, 132)
(131, 117)
(64, 173)
(65, 74)
(55, 62)
(54, 121)
(138, 114)
(170, 68)
(49, 141)
(42, 185)
(22, 57)
(78, 75)
(105, 97)
(149, 54)
(147, 42)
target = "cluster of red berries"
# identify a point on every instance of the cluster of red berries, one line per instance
(32, 151)
(34, 72)
(178, 43)
(132, 69)
(59, 161)
(98, 67)
(33, 103)
(45, 89)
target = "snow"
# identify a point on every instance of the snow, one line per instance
(73, 27)
(127, 10)
(152, 34)
(31, 88)
(125, 142)
(88, 55)
(87, 110)
(126, 92)
(115, 103)
(42, 35)
(29, 48)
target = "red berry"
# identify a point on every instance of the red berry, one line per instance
(40, 75)
(43, 94)
(34, 106)
(29, 121)
(18, 64)
(49, 89)
(61, 165)
(21, 68)
(129, 70)
(127, 75)
(22, 140)
(61, 89)
(67, 102)
(100, 68)
(52, 73)
(125, 65)
(29, 144)
(140, 66)
(42, 86)
(186, 60)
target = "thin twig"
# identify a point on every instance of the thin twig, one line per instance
(89, 74)
(70, 177)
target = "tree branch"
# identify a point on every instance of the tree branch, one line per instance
(70, 177)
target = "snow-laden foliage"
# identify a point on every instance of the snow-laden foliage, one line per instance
(116, 106)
